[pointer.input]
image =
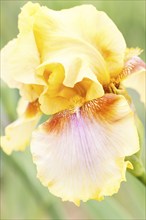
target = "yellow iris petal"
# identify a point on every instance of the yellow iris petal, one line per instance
(18, 133)
(27, 17)
(85, 47)
(19, 60)
(57, 97)
(84, 40)
(20, 57)
(6, 56)
(31, 92)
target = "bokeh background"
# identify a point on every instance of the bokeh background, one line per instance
(22, 195)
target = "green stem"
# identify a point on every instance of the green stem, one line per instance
(138, 168)
(142, 178)
(50, 208)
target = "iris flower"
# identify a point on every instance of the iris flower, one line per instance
(74, 65)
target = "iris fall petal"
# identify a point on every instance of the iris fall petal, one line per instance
(80, 154)
(18, 133)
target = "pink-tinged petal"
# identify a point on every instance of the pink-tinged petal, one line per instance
(80, 153)
(134, 76)
(137, 81)
(131, 52)
(132, 66)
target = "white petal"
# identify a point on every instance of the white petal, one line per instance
(80, 154)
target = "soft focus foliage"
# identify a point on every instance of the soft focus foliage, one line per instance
(21, 191)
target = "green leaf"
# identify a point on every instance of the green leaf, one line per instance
(24, 195)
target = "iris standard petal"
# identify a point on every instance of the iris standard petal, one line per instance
(6, 54)
(80, 154)
(85, 41)
(57, 97)
(20, 58)
(18, 133)
(27, 16)
(31, 92)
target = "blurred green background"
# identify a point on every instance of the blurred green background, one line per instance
(22, 195)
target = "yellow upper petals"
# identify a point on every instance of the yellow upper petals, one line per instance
(6, 55)
(57, 50)
(51, 105)
(110, 42)
(19, 60)
(79, 58)
(67, 55)
(72, 37)
(96, 29)
(93, 89)
(20, 57)
(18, 133)
(52, 75)
(27, 16)
(58, 99)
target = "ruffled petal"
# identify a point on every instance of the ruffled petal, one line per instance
(6, 54)
(31, 92)
(80, 153)
(20, 57)
(57, 97)
(133, 65)
(51, 105)
(18, 133)
(27, 17)
(85, 41)
(137, 81)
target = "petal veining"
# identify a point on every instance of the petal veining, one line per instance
(132, 66)
(80, 154)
